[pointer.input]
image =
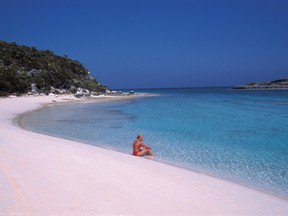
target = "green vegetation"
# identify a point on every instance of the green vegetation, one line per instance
(20, 66)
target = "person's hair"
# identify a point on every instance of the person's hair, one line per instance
(139, 135)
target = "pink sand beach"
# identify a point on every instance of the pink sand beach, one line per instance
(44, 175)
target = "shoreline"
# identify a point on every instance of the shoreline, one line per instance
(17, 122)
(42, 174)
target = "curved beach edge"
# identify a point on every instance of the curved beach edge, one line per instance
(44, 175)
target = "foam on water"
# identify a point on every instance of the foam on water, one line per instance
(237, 135)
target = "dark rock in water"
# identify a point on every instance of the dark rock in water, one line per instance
(275, 84)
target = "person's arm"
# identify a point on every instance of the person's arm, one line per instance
(145, 146)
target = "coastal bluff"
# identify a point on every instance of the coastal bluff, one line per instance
(275, 84)
(27, 70)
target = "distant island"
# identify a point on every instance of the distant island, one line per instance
(275, 84)
(27, 70)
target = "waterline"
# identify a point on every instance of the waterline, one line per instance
(239, 136)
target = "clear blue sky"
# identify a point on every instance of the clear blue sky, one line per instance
(158, 43)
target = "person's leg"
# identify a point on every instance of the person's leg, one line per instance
(142, 152)
(149, 152)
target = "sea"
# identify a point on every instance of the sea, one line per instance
(236, 135)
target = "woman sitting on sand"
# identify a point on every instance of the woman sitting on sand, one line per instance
(139, 148)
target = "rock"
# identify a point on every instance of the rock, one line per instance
(60, 91)
(52, 89)
(34, 89)
(275, 84)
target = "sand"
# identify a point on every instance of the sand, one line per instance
(44, 175)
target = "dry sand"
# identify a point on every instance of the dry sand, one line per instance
(44, 175)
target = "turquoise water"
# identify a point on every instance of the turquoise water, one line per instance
(237, 135)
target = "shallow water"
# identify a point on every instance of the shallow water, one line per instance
(237, 135)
